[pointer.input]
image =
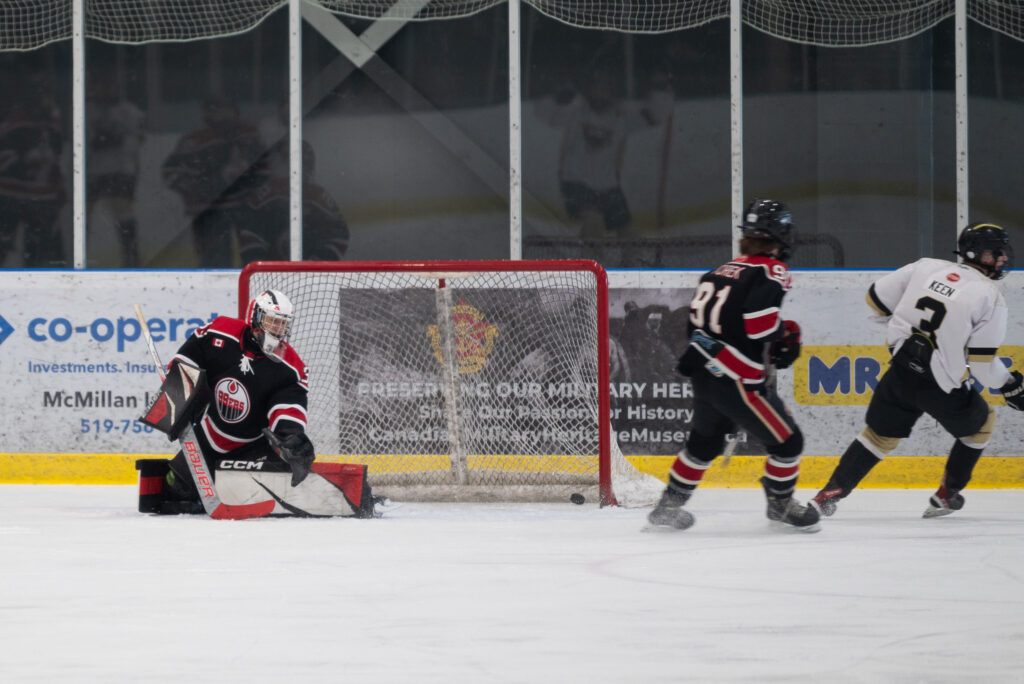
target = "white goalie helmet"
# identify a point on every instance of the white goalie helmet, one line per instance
(270, 316)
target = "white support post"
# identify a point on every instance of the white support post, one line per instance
(78, 131)
(515, 130)
(962, 178)
(736, 111)
(295, 128)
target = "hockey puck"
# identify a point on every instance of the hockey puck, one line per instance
(578, 499)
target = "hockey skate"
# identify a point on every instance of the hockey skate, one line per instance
(382, 505)
(669, 513)
(826, 501)
(788, 511)
(943, 502)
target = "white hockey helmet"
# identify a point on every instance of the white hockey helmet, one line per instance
(269, 317)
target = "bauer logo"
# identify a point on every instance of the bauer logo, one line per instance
(232, 400)
(844, 375)
(474, 338)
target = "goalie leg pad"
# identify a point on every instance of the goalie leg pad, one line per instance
(332, 489)
(164, 492)
(152, 472)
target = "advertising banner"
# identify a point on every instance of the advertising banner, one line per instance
(76, 372)
(827, 389)
(515, 374)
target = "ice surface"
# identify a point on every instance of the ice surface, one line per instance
(92, 591)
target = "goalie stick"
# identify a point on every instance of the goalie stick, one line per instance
(202, 477)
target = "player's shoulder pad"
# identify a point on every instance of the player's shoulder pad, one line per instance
(291, 358)
(773, 268)
(933, 264)
(223, 326)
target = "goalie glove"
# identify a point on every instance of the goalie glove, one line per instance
(1013, 391)
(785, 350)
(181, 401)
(295, 449)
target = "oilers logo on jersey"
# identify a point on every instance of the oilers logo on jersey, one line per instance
(232, 400)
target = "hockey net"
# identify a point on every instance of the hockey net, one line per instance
(29, 24)
(460, 381)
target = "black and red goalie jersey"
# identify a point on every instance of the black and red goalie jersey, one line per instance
(250, 391)
(735, 312)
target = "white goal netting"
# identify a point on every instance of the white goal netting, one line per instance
(480, 383)
(29, 24)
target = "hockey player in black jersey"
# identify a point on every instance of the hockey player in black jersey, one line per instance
(251, 421)
(942, 318)
(737, 332)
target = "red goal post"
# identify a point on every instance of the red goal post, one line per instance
(460, 380)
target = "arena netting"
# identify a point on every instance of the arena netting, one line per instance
(29, 24)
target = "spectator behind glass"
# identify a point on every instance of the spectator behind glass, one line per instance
(266, 234)
(596, 124)
(115, 136)
(214, 169)
(31, 183)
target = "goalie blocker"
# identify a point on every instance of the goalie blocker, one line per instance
(258, 475)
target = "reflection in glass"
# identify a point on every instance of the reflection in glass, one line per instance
(996, 121)
(412, 143)
(625, 144)
(325, 231)
(115, 137)
(175, 151)
(859, 142)
(35, 158)
(214, 169)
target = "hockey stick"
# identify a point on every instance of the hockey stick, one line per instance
(730, 444)
(730, 448)
(149, 343)
(198, 469)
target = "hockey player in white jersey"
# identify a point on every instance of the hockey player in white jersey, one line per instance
(945, 322)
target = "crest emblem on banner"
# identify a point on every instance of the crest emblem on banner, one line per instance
(474, 338)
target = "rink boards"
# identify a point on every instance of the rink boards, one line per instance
(76, 375)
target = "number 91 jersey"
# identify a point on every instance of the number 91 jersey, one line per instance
(956, 307)
(739, 305)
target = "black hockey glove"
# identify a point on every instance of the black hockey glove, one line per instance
(295, 449)
(785, 350)
(1013, 392)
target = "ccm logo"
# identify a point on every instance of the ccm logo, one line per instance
(241, 465)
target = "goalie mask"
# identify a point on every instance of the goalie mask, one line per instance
(269, 318)
(767, 219)
(986, 246)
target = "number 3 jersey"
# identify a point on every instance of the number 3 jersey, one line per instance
(249, 390)
(959, 309)
(738, 305)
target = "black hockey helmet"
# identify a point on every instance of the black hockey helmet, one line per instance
(986, 242)
(769, 220)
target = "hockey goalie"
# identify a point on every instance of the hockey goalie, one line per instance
(235, 398)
